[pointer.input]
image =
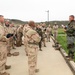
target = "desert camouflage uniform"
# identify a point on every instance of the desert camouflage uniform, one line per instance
(3, 48)
(33, 39)
(8, 40)
(49, 32)
(44, 36)
(19, 34)
(12, 31)
(55, 30)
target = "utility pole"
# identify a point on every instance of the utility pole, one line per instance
(48, 16)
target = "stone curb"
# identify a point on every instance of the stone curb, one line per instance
(71, 64)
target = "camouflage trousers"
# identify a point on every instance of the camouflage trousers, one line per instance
(32, 58)
(70, 45)
(70, 40)
(9, 46)
(44, 41)
(55, 35)
(12, 42)
(48, 37)
(19, 40)
(3, 56)
(25, 44)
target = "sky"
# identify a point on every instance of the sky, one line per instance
(36, 9)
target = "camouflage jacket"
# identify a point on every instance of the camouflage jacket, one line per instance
(39, 31)
(33, 36)
(71, 29)
(2, 33)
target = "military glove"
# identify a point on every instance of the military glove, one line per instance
(9, 35)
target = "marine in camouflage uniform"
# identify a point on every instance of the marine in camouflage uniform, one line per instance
(33, 39)
(49, 32)
(12, 30)
(8, 32)
(70, 30)
(43, 34)
(55, 31)
(19, 35)
(3, 47)
(39, 31)
(55, 34)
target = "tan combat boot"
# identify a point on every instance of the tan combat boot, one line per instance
(5, 73)
(36, 70)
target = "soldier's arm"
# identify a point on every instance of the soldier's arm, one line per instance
(65, 30)
(73, 25)
(24, 31)
(3, 38)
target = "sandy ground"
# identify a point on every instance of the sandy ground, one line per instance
(50, 62)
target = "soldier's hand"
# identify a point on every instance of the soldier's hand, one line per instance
(65, 30)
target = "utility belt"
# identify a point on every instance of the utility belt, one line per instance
(34, 43)
(3, 43)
